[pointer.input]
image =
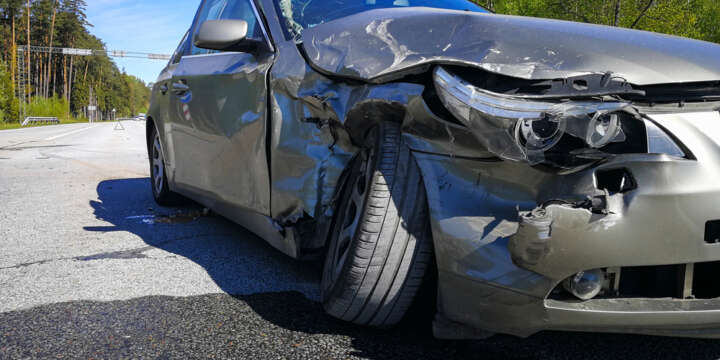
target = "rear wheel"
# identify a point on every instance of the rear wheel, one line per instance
(380, 245)
(158, 176)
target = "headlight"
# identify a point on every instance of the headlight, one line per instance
(522, 129)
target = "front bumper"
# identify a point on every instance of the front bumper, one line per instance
(474, 207)
(502, 310)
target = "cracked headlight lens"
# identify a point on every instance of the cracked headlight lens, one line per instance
(523, 129)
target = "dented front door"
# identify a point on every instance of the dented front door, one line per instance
(223, 95)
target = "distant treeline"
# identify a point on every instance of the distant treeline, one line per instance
(697, 19)
(69, 82)
(78, 81)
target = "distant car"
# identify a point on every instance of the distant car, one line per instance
(553, 175)
(141, 117)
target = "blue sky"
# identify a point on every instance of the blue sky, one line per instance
(155, 26)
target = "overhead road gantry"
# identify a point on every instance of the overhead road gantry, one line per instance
(23, 52)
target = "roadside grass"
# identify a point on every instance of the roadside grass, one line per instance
(16, 125)
(45, 107)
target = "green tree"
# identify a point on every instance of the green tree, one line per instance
(708, 12)
(4, 86)
(8, 102)
(690, 18)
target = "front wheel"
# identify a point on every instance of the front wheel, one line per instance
(380, 246)
(158, 176)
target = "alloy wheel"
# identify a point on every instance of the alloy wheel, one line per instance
(158, 165)
(352, 213)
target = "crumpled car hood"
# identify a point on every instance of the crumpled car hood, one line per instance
(382, 45)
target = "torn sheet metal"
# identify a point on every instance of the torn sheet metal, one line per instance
(317, 124)
(382, 45)
(533, 242)
(473, 209)
(426, 132)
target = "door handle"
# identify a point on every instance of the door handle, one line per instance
(180, 88)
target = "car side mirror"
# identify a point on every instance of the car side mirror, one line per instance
(221, 34)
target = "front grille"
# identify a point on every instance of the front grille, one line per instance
(712, 232)
(686, 281)
(650, 281)
(705, 284)
(696, 281)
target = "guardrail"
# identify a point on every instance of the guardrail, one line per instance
(40, 120)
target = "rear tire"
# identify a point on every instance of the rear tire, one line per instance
(380, 246)
(158, 174)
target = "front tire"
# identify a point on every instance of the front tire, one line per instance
(380, 245)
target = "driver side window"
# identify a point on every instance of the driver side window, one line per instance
(180, 51)
(227, 10)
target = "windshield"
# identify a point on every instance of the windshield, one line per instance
(304, 14)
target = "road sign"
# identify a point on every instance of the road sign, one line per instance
(158, 57)
(92, 108)
(79, 52)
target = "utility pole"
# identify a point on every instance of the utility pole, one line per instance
(13, 59)
(13, 56)
(92, 107)
(28, 89)
(49, 66)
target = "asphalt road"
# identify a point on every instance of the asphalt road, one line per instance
(90, 267)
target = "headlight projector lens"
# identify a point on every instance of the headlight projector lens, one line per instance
(540, 135)
(603, 129)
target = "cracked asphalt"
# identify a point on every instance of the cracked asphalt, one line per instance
(90, 267)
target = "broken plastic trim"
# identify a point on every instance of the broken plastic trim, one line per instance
(520, 129)
(585, 86)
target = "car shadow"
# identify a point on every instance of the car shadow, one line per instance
(236, 260)
(249, 270)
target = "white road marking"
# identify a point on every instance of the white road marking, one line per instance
(69, 133)
(14, 130)
(35, 128)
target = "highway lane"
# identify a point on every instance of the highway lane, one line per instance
(91, 267)
(44, 133)
(82, 192)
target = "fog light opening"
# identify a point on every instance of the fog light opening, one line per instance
(585, 285)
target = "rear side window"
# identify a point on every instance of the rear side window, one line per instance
(227, 10)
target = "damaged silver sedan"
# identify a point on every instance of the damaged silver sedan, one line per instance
(554, 175)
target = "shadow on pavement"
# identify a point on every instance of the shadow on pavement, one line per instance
(284, 293)
(236, 260)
